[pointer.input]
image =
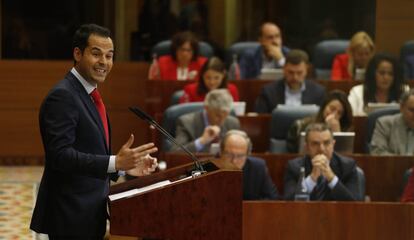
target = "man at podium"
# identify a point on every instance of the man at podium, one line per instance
(235, 149)
(72, 198)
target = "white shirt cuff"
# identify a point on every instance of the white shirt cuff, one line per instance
(198, 145)
(111, 165)
(310, 184)
(282, 61)
(333, 182)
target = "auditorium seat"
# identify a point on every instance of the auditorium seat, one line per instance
(282, 119)
(407, 58)
(172, 114)
(324, 54)
(163, 48)
(372, 120)
(239, 48)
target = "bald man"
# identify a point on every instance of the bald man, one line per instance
(269, 55)
(234, 151)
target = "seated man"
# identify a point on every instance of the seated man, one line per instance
(394, 134)
(293, 90)
(234, 152)
(198, 130)
(329, 176)
(270, 54)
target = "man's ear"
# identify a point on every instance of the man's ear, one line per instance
(77, 54)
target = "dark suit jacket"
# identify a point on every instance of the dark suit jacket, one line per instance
(191, 126)
(257, 183)
(75, 183)
(346, 189)
(273, 94)
(251, 62)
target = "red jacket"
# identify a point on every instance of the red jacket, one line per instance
(191, 95)
(168, 67)
(340, 67)
(408, 194)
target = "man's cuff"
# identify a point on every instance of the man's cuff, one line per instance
(310, 184)
(282, 61)
(333, 182)
(198, 145)
(111, 165)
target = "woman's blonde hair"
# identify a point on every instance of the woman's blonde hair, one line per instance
(358, 40)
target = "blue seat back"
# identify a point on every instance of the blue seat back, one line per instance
(163, 48)
(172, 114)
(281, 121)
(324, 54)
(239, 48)
(407, 58)
(372, 120)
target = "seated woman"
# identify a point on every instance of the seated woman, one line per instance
(384, 83)
(213, 76)
(361, 49)
(335, 112)
(184, 63)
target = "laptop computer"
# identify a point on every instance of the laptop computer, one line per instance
(271, 74)
(239, 108)
(344, 142)
(371, 106)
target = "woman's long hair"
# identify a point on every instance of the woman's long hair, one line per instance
(214, 63)
(346, 118)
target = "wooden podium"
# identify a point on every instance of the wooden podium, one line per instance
(204, 207)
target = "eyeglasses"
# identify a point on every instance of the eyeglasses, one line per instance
(234, 156)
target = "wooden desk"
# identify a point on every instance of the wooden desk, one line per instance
(327, 220)
(383, 174)
(158, 92)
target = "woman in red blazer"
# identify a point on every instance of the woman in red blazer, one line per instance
(213, 76)
(361, 49)
(184, 62)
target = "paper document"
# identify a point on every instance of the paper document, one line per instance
(138, 190)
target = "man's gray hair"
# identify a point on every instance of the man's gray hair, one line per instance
(219, 99)
(406, 95)
(317, 127)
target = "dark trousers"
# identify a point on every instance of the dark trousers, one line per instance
(52, 237)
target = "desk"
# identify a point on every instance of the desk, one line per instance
(327, 220)
(383, 174)
(158, 92)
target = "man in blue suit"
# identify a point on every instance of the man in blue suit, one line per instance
(270, 54)
(72, 198)
(235, 149)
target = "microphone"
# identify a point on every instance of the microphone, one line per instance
(144, 116)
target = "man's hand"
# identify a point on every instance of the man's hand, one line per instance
(146, 166)
(333, 122)
(321, 162)
(210, 133)
(129, 158)
(274, 51)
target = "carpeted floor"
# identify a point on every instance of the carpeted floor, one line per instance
(18, 187)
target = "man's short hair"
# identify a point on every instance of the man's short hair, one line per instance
(238, 133)
(406, 95)
(80, 39)
(317, 127)
(219, 99)
(297, 56)
(263, 25)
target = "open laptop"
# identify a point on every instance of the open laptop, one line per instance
(271, 74)
(371, 106)
(344, 142)
(239, 108)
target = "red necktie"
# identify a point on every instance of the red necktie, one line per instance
(97, 99)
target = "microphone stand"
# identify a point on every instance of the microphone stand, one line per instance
(141, 114)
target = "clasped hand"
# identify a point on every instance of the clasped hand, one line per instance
(321, 166)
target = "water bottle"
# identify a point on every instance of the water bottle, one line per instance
(154, 70)
(234, 71)
(301, 192)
